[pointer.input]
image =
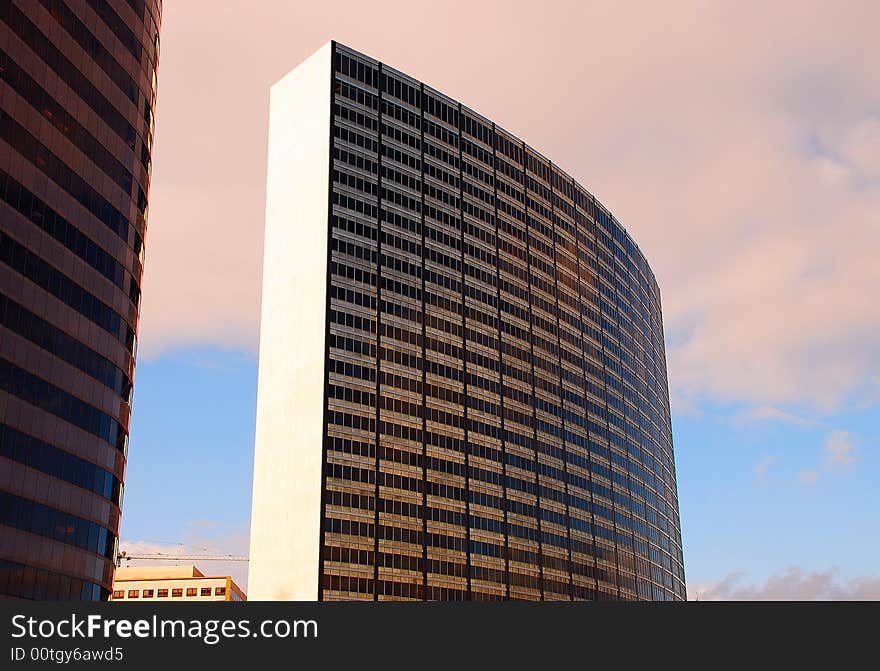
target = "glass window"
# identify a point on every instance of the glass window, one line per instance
(206, 591)
(191, 591)
(177, 592)
(133, 594)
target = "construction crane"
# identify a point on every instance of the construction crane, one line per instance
(124, 556)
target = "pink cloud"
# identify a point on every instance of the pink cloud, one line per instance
(745, 163)
(839, 454)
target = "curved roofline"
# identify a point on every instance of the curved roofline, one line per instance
(335, 44)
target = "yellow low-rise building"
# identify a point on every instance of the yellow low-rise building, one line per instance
(173, 583)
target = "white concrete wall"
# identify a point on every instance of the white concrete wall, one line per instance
(285, 516)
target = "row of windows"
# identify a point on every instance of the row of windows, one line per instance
(93, 47)
(356, 117)
(55, 341)
(450, 179)
(404, 158)
(393, 132)
(350, 421)
(402, 114)
(389, 262)
(401, 178)
(477, 130)
(354, 250)
(355, 205)
(440, 154)
(485, 550)
(353, 137)
(486, 178)
(510, 482)
(350, 446)
(51, 399)
(28, 582)
(488, 198)
(349, 585)
(356, 160)
(351, 321)
(30, 206)
(353, 297)
(399, 89)
(119, 27)
(387, 532)
(66, 124)
(351, 370)
(352, 345)
(475, 151)
(56, 462)
(50, 279)
(67, 71)
(69, 180)
(56, 524)
(401, 200)
(163, 593)
(357, 95)
(355, 182)
(356, 69)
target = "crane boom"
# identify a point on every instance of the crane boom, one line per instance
(128, 557)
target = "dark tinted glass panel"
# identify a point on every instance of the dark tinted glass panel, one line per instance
(498, 421)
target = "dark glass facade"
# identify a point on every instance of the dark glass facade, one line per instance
(77, 99)
(497, 412)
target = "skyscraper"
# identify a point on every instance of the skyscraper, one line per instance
(462, 381)
(76, 125)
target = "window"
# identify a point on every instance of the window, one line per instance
(133, 594)
(191, 591)
(148, 594)
(47, 521)
(31, 451)
(163, 594)
(177, 592)
(206, 591)
(219, 591)
(118, 593)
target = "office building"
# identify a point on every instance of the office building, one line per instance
(462, 380)
(173, 583)
(77, 99)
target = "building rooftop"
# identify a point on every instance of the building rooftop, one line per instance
(157, 572)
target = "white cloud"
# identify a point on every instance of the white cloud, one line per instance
(791, 584)
(840, 451)
(769, 413)
(839, 454)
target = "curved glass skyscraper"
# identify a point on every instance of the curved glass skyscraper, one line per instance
(462, 386)
(76, 123)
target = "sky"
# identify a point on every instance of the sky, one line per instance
(739, 144)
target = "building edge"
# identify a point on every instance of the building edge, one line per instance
(288, 446)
